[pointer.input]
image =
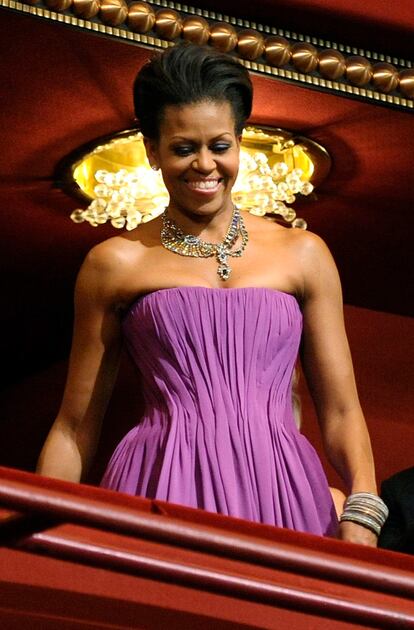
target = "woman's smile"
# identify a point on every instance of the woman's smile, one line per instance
(204, 187)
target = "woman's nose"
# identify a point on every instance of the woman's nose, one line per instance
(204, 161)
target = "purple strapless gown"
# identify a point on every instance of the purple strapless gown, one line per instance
(218, 432)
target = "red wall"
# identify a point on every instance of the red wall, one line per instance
(382, 346)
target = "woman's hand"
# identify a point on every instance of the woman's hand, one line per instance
(352, 532)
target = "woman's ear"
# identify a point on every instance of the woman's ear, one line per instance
(151, 149)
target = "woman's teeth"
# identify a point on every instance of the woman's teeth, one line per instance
(208, 184)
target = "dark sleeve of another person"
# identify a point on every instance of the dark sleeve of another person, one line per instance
(398, 494)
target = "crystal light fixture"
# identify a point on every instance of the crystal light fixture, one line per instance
(275, 167)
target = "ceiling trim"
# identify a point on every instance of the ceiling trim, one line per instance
(251, 52)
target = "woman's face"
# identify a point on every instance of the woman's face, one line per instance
(198, 154)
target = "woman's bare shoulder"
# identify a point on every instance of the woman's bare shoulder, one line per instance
(274, 235)
(118, 253)
(306, 246)
(304, 239)
(114, 269)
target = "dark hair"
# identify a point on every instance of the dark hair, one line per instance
(186, 74)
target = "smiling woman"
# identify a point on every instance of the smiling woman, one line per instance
(215, 345)
(192, 130)
(198, 153)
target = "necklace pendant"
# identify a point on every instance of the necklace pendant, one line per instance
(224, 271)
(222, 257)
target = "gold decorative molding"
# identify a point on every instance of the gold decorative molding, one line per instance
(302, 59)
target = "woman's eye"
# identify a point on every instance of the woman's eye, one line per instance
(220, 148)
(183, 151)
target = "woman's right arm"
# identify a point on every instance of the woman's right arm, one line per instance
(93, 366)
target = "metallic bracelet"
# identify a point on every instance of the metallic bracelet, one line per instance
(366, 501)
(360, 519)
(366, 509)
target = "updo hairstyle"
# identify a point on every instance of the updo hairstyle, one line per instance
(188, 74)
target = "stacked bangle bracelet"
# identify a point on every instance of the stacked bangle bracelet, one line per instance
(365, 509)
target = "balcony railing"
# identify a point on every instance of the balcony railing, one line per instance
(76, 556)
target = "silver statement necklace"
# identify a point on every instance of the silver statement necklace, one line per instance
(174, 239)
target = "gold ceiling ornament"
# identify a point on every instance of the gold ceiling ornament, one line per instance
(141, 17)
(275, 167)
(303, 59)
(331, 64)
(223, 37)
(407, 83)
(385, 77)
(86, 9)
(113, 12)
(168, 24)
(358, 70)
(250, 44)
(196, 30)
(277, 51)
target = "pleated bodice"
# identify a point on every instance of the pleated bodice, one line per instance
(218, 430)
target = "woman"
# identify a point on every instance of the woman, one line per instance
(212, 304)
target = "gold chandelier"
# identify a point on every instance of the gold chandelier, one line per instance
(275, 167)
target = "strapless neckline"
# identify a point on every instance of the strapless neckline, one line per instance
(201, 288)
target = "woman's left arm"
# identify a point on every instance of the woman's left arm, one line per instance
(329, 372)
